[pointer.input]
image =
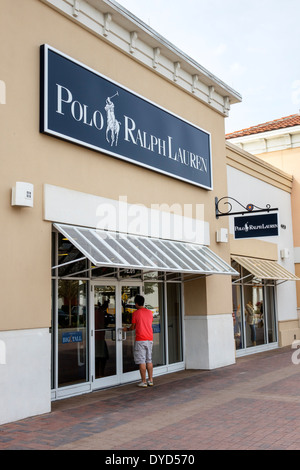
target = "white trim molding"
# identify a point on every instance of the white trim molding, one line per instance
(71, 207)
(113, 23)
(269, 141)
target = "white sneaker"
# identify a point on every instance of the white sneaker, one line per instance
(150, 383)
(142, 384)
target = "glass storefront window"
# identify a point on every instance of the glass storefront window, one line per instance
(253, 301)
(238, 325)
(53, 344)
(130, 273)
(72, 329)
(153, 276)
(83, 309)
(271, 327)
(128, 294)
(174, 322)
(103, 272)
(254, 313)
(68, 253)
(173, 276)
(154, 300)
(105, 321)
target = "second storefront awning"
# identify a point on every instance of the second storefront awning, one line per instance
(265, 269)
(104, 248)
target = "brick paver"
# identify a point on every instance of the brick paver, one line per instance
(254, 404)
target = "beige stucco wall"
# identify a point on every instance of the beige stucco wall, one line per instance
(288, 332)
(27, 155)
(275, 170)
(262, 169)
(254, 248)
(208, 295)
(289, 161)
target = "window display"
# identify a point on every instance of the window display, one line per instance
(90, 307)
(254, 314)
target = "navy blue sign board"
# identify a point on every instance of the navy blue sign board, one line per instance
(82, 106)
(256, 226)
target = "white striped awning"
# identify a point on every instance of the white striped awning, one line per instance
(265, 269)
(106, 248)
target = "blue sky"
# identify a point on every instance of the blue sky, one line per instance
(253, 46)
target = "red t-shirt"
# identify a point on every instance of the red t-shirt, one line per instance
(142, 318)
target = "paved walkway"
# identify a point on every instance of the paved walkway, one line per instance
(254, 404)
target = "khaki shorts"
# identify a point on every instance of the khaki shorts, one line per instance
(142, 352)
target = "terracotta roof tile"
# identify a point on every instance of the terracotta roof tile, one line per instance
(288, 121)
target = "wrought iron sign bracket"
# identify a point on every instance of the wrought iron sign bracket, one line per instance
(249, 208)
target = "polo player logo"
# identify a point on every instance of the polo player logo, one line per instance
(113, 125)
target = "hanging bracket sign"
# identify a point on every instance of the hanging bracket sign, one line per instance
(256, 226)
(249, 208)
(82, 106)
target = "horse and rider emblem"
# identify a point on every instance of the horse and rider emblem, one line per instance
(113, 125)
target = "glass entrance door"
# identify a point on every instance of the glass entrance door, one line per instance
(104, 332)
(128, 293)
(112, 348)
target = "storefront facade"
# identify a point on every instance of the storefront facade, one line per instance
(93, 213)
(90, 349)
(278, 142)
(114, 157)
(264, 292)
(93, 299)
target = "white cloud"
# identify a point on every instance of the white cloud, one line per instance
(221, 49)
(237, 69)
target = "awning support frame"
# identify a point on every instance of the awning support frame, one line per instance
(69, 262)
(264, 270)
(128, 251)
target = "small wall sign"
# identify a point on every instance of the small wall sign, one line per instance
(256, 226)
(72, 337)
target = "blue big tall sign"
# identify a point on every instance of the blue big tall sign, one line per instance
(82, 106)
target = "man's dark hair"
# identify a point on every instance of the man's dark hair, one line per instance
(139, 299)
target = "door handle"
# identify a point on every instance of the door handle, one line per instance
(121, 334)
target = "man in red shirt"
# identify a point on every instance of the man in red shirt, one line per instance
(142, 324)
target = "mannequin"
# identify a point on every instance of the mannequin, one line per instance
(250, 317)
